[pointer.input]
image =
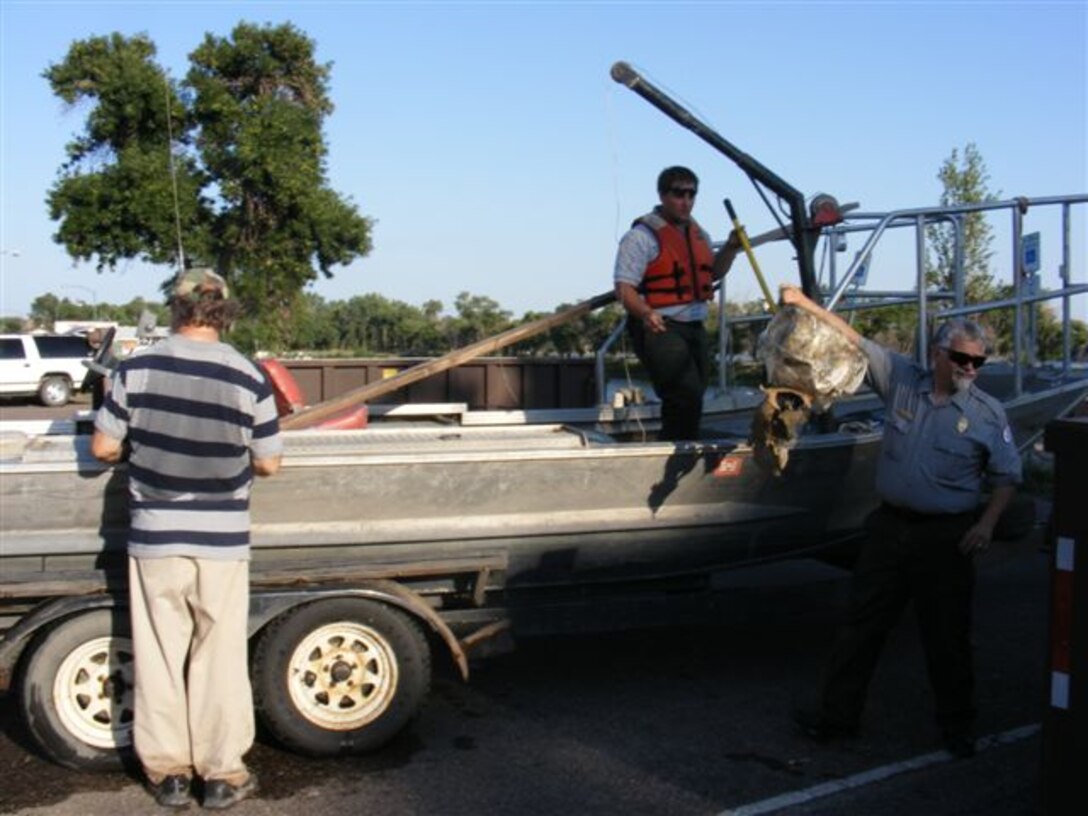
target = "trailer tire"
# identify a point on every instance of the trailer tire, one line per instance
(76, 693)
(340, 676)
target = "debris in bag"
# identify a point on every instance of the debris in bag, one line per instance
(808, 365)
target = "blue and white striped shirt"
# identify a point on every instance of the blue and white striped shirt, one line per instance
(194, 413)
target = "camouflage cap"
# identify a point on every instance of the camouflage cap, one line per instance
(196, 282)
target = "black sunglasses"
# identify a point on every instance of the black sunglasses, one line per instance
(962, 359)
(683, 192)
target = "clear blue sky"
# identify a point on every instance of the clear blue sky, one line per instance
(496, 155)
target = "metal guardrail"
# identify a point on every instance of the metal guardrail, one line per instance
(920, 218)
(876, 225)
(921, 296)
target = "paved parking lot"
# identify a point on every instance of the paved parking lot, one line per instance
(689, 718)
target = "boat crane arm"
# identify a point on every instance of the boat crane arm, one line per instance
(803, 233)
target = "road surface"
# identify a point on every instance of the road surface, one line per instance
(689, 719)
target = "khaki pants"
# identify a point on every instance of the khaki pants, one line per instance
(193, 702)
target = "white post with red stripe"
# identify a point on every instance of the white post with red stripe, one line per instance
(1065, 716)
(1061, 622)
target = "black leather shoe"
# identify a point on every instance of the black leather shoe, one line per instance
(220, 794)
(817, 727)
(173, 791)
(959, 744)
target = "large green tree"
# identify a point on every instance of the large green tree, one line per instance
(114, 194)
(965, 180)
(244, 132)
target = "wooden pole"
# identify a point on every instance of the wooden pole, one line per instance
(308, 417)
(322, 411)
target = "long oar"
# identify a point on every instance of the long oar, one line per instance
(322, 411)
(744, 242)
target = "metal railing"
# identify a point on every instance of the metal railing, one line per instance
(839, 295)
(1024, 338)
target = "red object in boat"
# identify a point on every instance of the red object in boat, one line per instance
(284, 386)
(288, 398)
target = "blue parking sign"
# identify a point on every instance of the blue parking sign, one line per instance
(1029, 253)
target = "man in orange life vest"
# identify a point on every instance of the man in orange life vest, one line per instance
(664, 275)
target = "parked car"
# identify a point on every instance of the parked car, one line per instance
(49, 366)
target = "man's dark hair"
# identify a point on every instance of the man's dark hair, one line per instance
(671, 175)
(206, 308)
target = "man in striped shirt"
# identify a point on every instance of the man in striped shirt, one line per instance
(197, 421)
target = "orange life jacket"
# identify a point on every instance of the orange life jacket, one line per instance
(682, 270)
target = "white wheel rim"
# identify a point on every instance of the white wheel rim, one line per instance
(54, 391)
(342, 676)
(93, 692)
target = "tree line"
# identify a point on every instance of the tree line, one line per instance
(372, 325)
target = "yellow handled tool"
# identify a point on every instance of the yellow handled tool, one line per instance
(744, 242)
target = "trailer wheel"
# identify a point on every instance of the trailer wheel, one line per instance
(76, 691)
(341, 676)
(54, 391)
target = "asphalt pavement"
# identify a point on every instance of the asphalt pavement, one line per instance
(685, 711)
(688, 718)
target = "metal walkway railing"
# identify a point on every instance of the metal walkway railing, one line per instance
(844, 293)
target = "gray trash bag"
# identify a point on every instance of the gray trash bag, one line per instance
(801, 352)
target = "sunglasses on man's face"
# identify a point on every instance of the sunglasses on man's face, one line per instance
(962, 359)
(683, 192)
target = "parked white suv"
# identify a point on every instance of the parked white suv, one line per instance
(48, 365)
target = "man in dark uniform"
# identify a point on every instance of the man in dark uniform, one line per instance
(943, 437)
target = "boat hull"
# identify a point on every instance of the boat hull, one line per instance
(562, 505)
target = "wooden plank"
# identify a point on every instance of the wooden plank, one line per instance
(308, 417)
(318, 413)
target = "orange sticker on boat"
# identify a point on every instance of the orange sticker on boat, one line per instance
(729, 467)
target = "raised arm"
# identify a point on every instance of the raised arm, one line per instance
(793, 296)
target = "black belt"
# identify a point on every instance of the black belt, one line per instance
(907, 514)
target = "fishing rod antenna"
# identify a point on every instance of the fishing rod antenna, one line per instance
(173, 174)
